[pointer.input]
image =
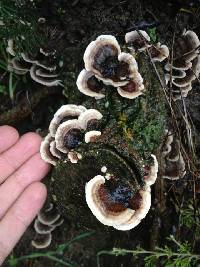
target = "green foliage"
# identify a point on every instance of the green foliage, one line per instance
(188, 218)
(152, 34)
(19, 21)
(13, 79)
(182, 256)
(55, 255)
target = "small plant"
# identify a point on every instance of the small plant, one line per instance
(19, 21)
(13, 79)
(182, 256)
(53, 255)
(188, 218)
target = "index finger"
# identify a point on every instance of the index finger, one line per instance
(8, 137)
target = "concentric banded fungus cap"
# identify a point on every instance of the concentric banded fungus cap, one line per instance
(152, 172)
(47, 220)
(65, 113)
(89, 118)
(42, 241)
(133, 88)
(68, 135)
(117, 205)
(186, 49)
(92, 136)
(137, 41)
(48, 216)
(106, 211)
(159, 52)
(89, 85)
(44, 78)
(17, 66)
(143, 199)
(102, 58)
(45, 150)
(186, 46)
(173, 164)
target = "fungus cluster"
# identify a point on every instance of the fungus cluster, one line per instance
(36, 65)
(140, 41)
(70, 126)
(47, 220)
(117, 204)
(185, 67)
(106, 64)
(173, 164)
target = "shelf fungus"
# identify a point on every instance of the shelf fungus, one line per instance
(137, 40)
(106, 65)
(117, 188)
(38, 66)
(71, 126)
(185, 67)
(45, 223)
(173, 164)
(158, 52)
(140, 41)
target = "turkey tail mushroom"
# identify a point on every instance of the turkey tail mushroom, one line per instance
(45, 223)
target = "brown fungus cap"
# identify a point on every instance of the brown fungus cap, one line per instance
(133, 88)
(42, 241)
(159, 52)
(46, 80)
(68, 135)
(137, 41)
(45, 150)
(66, 112)
(98, 52)
(46, 222)
(117, 204)
(89, 85)
(173, 164)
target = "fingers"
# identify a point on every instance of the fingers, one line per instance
(14, 157)
(33, 170)
(19, 216)
(8, 137)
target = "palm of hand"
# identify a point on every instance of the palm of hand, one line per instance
(21, 193)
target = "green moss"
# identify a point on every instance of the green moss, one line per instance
(143, 122)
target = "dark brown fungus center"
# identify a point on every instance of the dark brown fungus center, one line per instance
(117, 197)
(154, 52)
(94, 84)
(114, 69)
(138, 43)
(106, 62)
(73, 138)
(130, 87)
(67, 118)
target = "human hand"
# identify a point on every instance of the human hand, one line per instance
(21, 193)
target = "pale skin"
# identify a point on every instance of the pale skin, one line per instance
(22, 194)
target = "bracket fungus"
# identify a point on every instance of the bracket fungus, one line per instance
(139, 40)
(41, 72)
(106, 65)
(118, 204)
(46, 222)
(173, 164)
(185, 67)
(71, 126)
(121, 196)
